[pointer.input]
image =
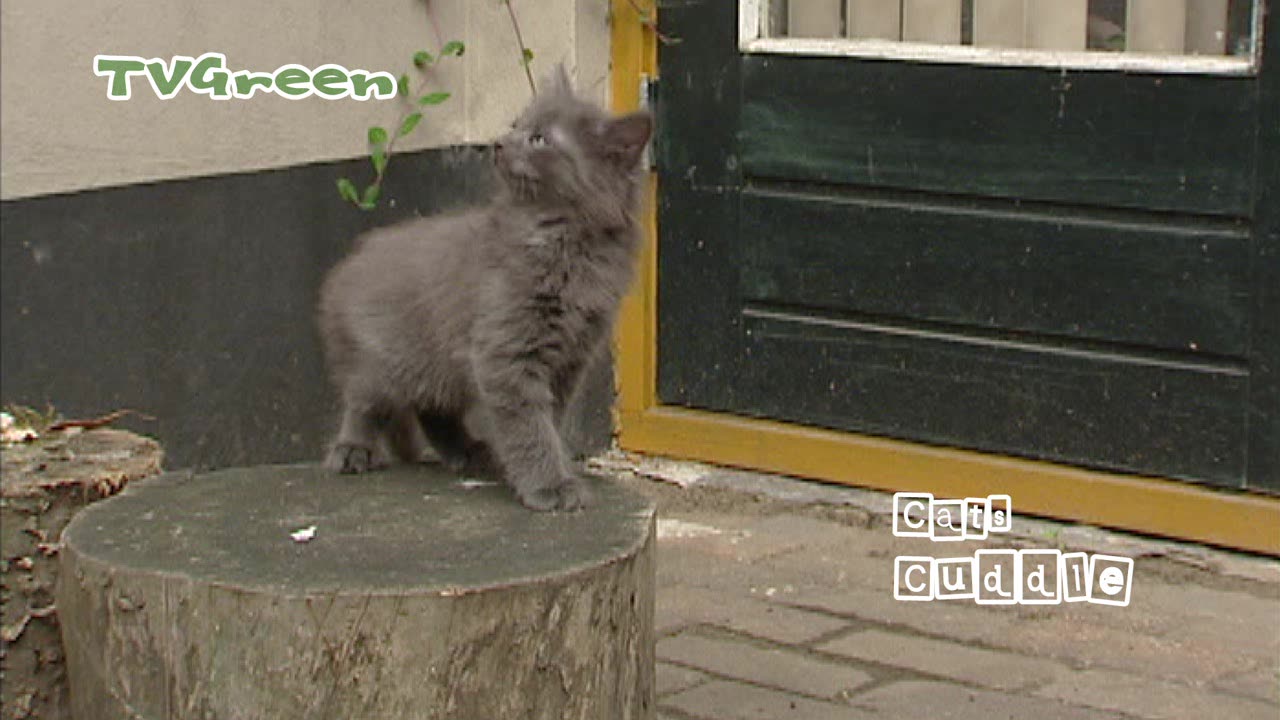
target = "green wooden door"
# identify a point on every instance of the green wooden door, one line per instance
(1070, 265)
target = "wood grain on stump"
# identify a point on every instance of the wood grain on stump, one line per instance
(43, 484)
(419, 596)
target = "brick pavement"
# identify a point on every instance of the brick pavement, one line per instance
(783, 608)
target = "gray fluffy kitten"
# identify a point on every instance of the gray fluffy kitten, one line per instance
(472, 330)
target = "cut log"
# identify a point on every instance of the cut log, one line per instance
(43, 484)
(417, 595)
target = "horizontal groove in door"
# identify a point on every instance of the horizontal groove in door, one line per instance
(1000, 340)
(1090, 410)
(1132, 281)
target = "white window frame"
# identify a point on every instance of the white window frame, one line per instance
(753, 20)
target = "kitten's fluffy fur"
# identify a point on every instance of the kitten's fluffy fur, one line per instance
(472, 330)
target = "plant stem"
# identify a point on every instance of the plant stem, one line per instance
(647, 20)
(393, 133)
(435, 26)
(524, 51)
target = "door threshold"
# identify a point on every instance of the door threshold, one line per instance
(1157, 506)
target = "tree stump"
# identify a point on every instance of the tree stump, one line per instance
(42, 485)
(418, 596)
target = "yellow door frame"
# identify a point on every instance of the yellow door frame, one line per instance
(1151, 505)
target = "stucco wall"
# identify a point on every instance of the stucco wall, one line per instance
(60, 132)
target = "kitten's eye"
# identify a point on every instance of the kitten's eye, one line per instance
(537, 140)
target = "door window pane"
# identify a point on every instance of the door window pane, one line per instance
(1152, 29)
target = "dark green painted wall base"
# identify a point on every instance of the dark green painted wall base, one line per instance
(193, 301)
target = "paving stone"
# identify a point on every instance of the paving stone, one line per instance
(715, 551)
(1139, 620)
(1181, 649)
(1190, 600)
(779, 487)
(679, 606)
(724, 700)
(1153, 699)
(1086, 538)
(736, 543)
(880, 504)
(824, 570)
(682, 473)
(960, 619)
(943, 701)
(1262, 683)
(687, 564)
(812, 532)
(751, 539)
(1077, 634)
(866, 560)
(824, 584)
(699, 527)
(675, 530)
(1265, 570)
(988, 668)
(774, 536)
(1071, 637)
(1220, 617)
(673, 678)
(782, 669)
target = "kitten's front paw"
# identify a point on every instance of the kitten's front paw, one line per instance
(352, 459)
(572, 494)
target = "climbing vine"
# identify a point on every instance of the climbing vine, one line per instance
(416, 100)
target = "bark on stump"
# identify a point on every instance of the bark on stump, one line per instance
(419, 596)
(42, 485)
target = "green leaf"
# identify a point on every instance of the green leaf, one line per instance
(453, 47)
(434, 98)
(422, 58)
(368, 206)
(528, 56)
(377, 135)
(379, 159)
(348, 191)
(403, 85)
(410, 122)
(371, 195)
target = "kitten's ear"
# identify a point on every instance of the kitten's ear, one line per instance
(626, 136)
